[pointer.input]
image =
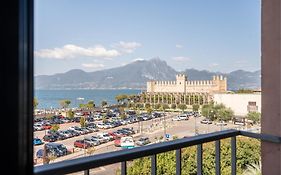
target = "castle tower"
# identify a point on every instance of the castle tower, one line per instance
(150, 86)
(181, 82)
(220, 82)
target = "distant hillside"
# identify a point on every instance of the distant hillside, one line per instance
(235, 80)
(136, 74)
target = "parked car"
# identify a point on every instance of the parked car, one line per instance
(176, 118)
(91, 141)
(206, 121)
(56, 149)
(117, 142)
(221, 123)
(81, 144)
(142, 141)
(239, 122)
(127, 142)
(37, 141)
(38, 127)
(49, 138)
(183, 117)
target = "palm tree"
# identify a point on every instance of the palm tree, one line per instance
(103, 103)
(253, 169)
(64, 103)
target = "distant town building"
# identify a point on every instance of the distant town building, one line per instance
(184, 91)
(241, 104)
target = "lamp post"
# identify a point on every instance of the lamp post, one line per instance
(195, 126)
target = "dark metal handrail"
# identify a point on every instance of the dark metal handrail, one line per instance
(86, 163)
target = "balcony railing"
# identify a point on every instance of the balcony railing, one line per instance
(87, 163)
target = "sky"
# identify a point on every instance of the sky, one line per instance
(214, 35)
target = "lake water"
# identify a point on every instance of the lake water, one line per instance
(51, 98)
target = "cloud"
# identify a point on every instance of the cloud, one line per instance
(73, 51)
(137, 59)
(127, 47)
(179, 46)
(92, 65)
(181, 58)
(213, 65)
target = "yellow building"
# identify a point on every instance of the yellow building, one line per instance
(184, 91)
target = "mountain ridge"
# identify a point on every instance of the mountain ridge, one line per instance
(135, 75)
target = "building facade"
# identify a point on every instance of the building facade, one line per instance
(241, 104)
(184, 91)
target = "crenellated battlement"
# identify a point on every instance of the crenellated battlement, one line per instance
(217, 84)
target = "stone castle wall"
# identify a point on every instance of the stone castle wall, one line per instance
(182, 85)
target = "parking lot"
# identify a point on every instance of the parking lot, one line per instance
(171, 125)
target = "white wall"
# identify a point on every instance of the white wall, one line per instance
(238, 102)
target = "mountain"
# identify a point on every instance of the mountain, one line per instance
(239, 79)
(133, 75)
(136, 74)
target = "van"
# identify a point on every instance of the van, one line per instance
(127, 142)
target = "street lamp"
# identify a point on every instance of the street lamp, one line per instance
(195, 126)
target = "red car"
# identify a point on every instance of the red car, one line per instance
(47, 126)
(81, 144)
(117, 142)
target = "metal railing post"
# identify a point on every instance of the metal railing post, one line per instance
(178, 162)
(87, 172)
(153, 164)
(218, 157)
(233, 155)
(123, 168)
(199, 159)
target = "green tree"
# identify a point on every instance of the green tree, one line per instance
(82, 122)
(225, 114)
(214, 112)
(245, 91)
(149, 110)
(81, 105)
(55, 127)
(103, 103)
(157, 106)
(147, 105)
(51, 157)
(104, 119)
(121, 98)
(64, 103)
(248, 153)
(254, 116)
(173, 106)
(182, 107)
(90, 150)
(131, 105)
(35, 103)
(195, 107)
(70, 114)
(123, 116)
(165, 106)
(91, 104)
(139, 105)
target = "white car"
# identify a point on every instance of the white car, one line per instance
(38, 127)
(105, 136)
(177, 118)
(221, 123)
(183, 117)
(101, 125)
